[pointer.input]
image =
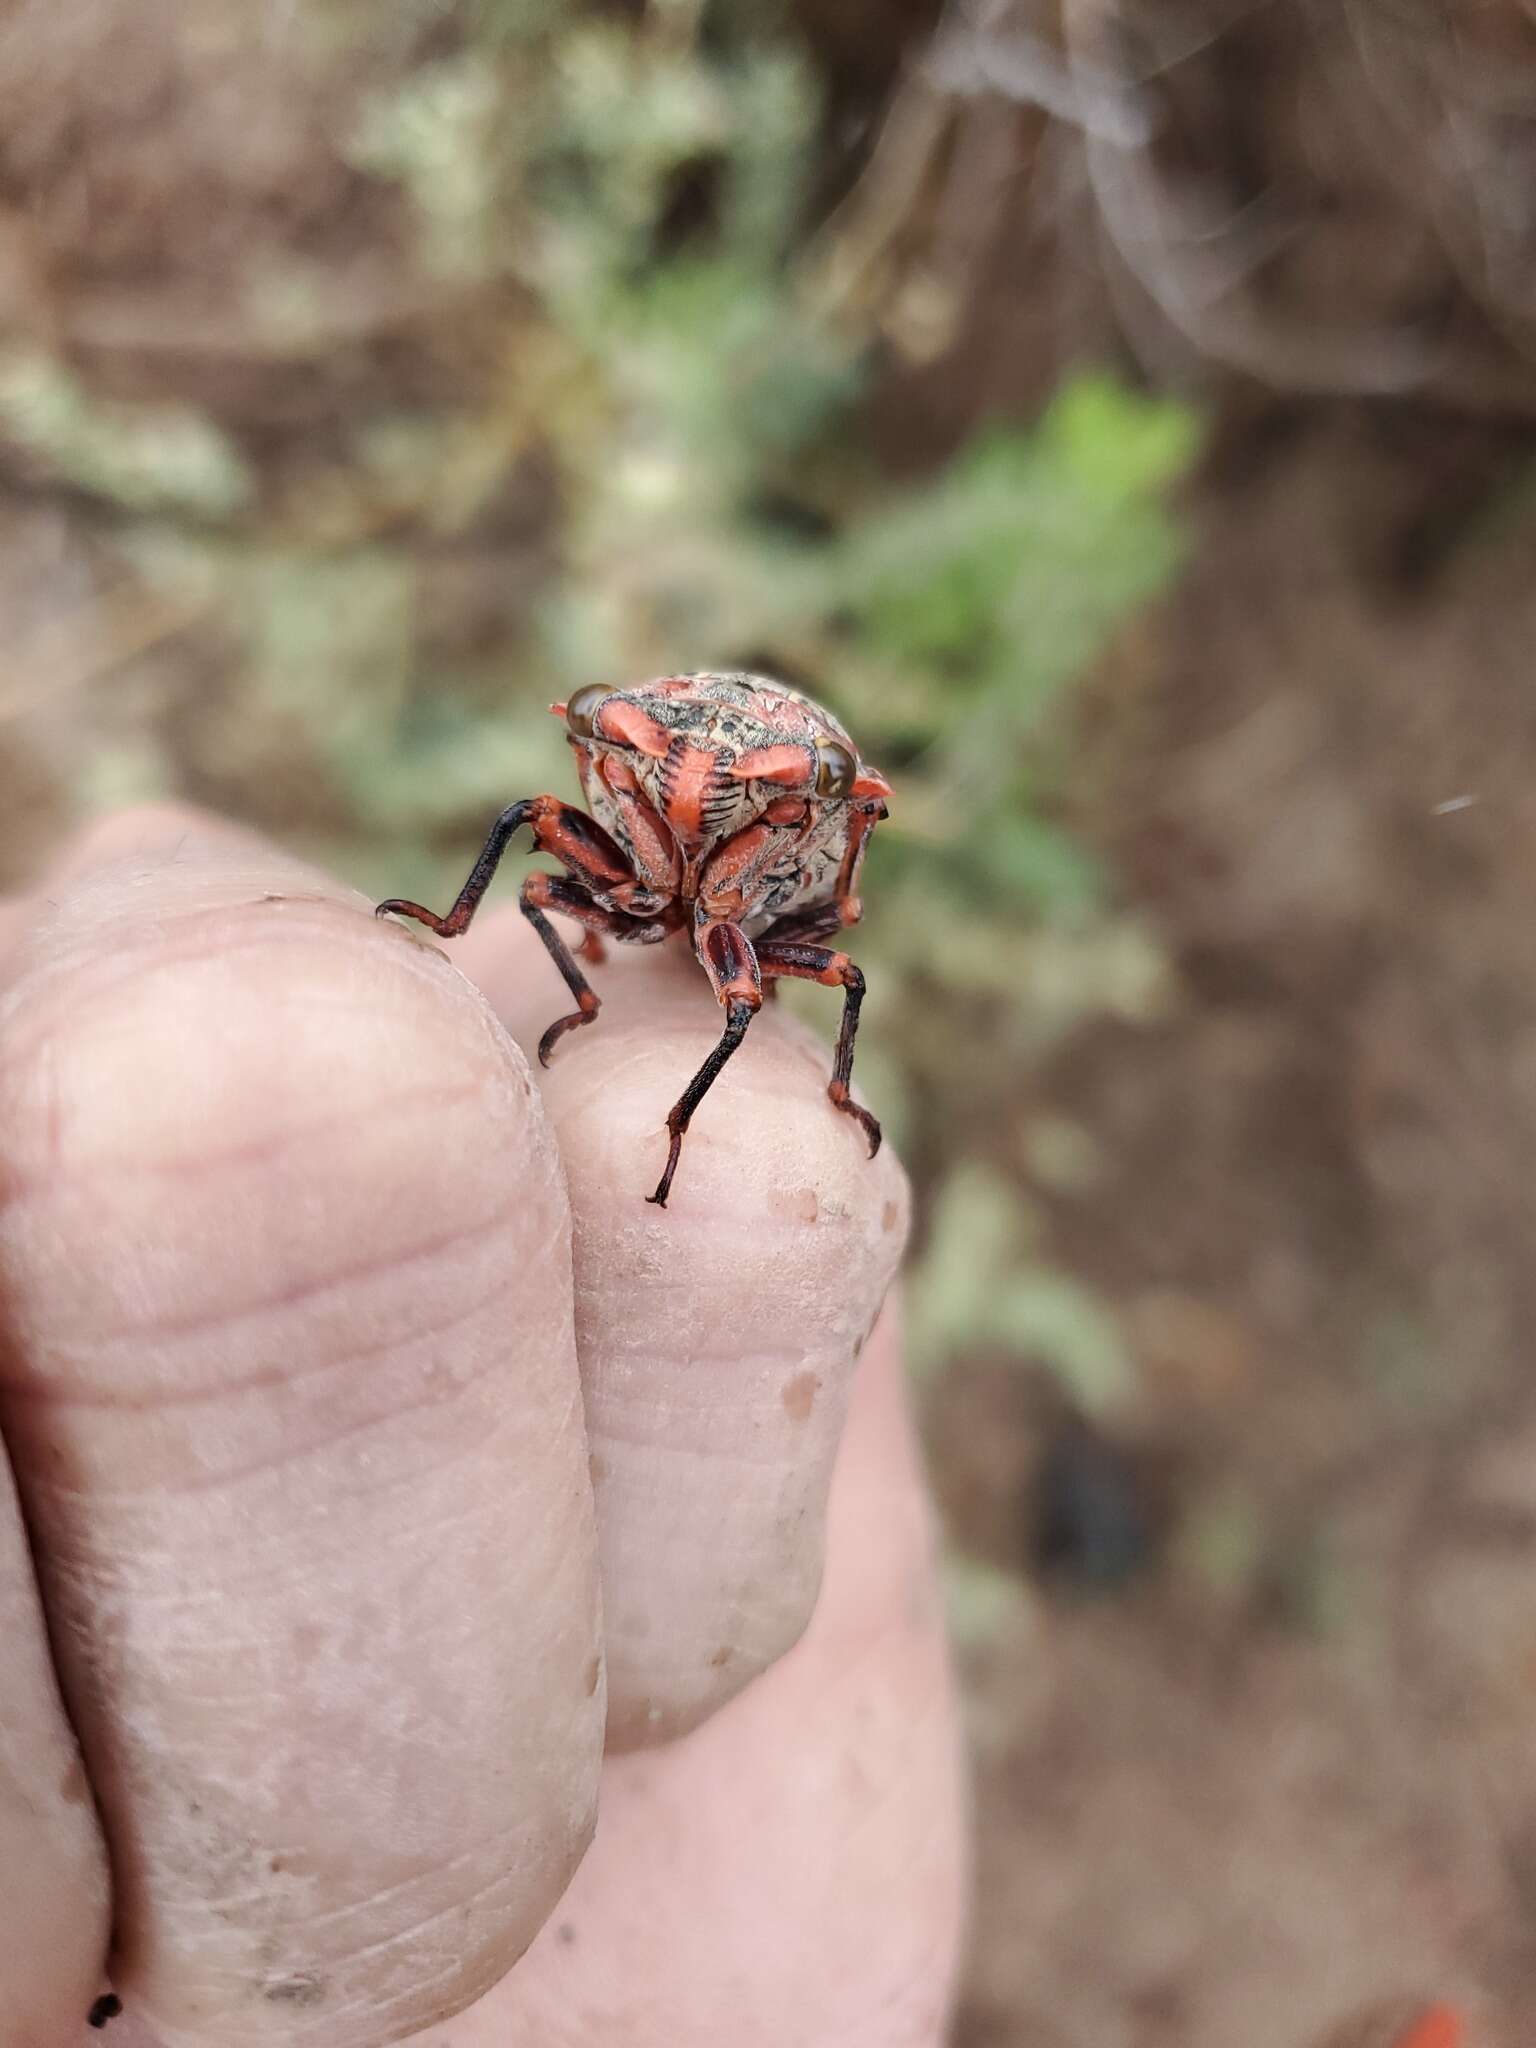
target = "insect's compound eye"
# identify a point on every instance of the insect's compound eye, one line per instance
(582, 708)
(836, 769)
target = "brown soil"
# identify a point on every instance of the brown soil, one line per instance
(1283, 1774)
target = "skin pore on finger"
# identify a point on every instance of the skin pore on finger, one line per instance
(291, 1397)
(717, 1337)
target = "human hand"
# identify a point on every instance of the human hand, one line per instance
(303, 1530)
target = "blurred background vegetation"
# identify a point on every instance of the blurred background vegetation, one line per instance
(1122, 417)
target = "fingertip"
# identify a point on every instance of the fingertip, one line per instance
(150, 834)
(718, 1319)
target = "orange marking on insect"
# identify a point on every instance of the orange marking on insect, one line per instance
(687, 778)
(731, 964)
(1439, 2027)
(860, 825)
(731, 869)
(627, 723)
(871, 783)
(654, 849)
(793, 766)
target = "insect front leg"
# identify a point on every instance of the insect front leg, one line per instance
(576, 840)
(728, 959)
(863, 819)
(802, 927)
(799, 926)
(832, 970)
(553, 892)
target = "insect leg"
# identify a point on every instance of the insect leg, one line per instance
(738, 1015)
(802, 927)
(798, 925)
(862, 821)
(558, 828)
(553, 892)
(731, 965)
(832, 970)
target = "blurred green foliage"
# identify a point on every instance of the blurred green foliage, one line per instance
(158, 459)
(982, 1281)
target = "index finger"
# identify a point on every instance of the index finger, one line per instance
(717, 1338)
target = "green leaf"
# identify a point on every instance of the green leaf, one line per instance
(1049, 1318)
(1115, 442)
(978, 1284)
(980, 1226)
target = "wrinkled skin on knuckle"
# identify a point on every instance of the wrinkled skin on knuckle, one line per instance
(289, 1384)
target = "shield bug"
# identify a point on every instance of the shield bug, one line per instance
(721, 805)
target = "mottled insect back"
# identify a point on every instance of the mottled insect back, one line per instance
(720, 804)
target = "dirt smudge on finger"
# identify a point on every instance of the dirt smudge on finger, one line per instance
(799, 1396)
(297, 1990)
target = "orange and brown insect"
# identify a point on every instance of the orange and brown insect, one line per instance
(724, 805)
